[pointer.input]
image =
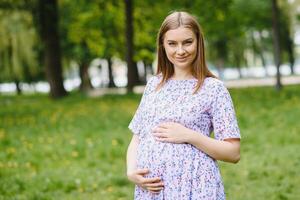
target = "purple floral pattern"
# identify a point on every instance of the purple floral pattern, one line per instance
(187, 172)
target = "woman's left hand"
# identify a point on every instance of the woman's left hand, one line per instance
(170, 132)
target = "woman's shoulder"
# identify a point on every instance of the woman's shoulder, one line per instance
(152, 83)
(154, 80)
(214, 85)
(212, 82)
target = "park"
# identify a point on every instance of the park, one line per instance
(68, 139)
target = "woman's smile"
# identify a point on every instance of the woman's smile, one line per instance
(181, 59)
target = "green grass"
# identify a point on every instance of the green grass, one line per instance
(75, 148)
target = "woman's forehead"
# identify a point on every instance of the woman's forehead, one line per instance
(179, 34)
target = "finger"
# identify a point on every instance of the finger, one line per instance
(163, 139)
(150, 180)
(160, 135)
(142, 171)
(159, 130)
(155, 189)
(157, 184)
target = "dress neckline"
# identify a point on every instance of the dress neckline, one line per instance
(182, 80)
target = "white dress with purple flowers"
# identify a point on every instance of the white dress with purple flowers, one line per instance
(187, 172)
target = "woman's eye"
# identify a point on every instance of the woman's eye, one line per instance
(188, 42)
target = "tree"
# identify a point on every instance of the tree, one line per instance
(19, 45)
(146, 28)
(276, 38)
(132, 73)
(82, 39)
(112, 28)
(286, 41)
(18, 53)
(48, 23)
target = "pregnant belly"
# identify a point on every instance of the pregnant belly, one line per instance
(161, 158)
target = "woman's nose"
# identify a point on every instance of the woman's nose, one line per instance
(180, 50)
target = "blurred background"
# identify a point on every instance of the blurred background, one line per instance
(99, 54)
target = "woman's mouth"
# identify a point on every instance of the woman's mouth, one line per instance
(181, 59)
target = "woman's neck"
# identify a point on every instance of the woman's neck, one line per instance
(182, 75)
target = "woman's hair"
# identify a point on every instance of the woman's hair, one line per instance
(164, 66)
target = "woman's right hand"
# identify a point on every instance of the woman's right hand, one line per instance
(154, 185)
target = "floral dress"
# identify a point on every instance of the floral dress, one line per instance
(187, 172)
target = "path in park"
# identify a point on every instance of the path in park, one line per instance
(239, 83)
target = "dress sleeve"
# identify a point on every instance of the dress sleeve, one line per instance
(136, 125)
(223, 115)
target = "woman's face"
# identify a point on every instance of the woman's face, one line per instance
(181, 47)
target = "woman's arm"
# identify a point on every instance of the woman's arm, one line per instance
(154, 185)
(132, 153)
(227, 150)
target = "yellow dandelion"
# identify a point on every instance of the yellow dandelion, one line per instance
(11, 150)
(74, 154)
(29, 145)
(95, 185)
(28, 165)
(81, 190)
(73, 142)
(109, 189)
(2, 134)
(114, 142)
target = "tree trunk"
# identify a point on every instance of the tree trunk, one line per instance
(263, 60)
(85, 84)
(111, 83)
(261, 54)
(48, 19)
(276, 40)
(290, 50)
(220, 67)
(221, 47)
(136, 77)
(150, 69)
(144, 77)
(254, 47)
(132, 70)
(238, 65)
(18, 87)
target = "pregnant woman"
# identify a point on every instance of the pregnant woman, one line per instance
(172, 155)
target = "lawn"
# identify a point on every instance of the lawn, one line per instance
(74, 148)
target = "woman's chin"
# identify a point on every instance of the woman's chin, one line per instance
(182, 65)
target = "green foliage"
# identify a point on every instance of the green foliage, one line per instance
(82, 38)
(146, 27)
(75, 148)
(18, 52)
(96, 29)
(92, 29)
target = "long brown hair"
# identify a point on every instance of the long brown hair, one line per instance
(164, 66)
